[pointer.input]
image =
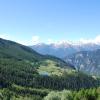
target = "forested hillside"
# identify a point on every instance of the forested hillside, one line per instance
(13, 50)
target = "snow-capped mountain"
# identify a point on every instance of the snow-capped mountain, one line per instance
(64, 49)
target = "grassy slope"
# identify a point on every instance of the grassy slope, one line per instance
(51, 68)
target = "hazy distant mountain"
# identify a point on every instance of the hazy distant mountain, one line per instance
(87, 61)
(64, 49)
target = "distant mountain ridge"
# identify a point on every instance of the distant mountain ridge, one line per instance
(64, 49)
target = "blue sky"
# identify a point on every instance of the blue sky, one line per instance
(32, 21)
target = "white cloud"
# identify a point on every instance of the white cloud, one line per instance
(96, 40)
(35, 39)
(25, 42)
(5, 36)
(49, 41)
(32, 41)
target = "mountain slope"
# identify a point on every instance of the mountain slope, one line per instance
(19, 62)
(86, 61)
(9, 49)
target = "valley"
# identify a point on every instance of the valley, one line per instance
(25, 74)
(49, 49)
